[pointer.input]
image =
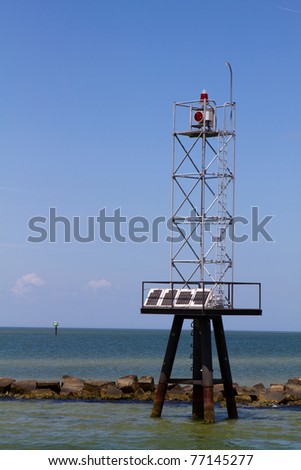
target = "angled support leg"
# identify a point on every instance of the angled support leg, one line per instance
(224, 363)
(167, 365)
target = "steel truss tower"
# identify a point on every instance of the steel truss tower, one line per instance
(203, 193)
(201, 286)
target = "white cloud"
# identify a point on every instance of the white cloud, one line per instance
(100, 284)
(26, 283)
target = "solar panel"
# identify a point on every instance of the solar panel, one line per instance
(168, 297)
(184, 297)
(153, 297)
(179, 298)
(200, 298)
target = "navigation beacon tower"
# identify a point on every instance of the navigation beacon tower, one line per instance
(201, 286)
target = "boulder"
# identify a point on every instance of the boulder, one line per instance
(259, 387)
(244, 394)
(243, 390)
(295, 381)
(276, 388)
(292, 391)
(53, 386)
(142, 395)
(177, 393)
(43, 393)
(147, 383)
(71, 384)
(170, 386)
(5, 384)
(218, 392)
(243, 399)
(292, 385)
(112, 393)
(257, 392)
(188, 390)
(95, 386)
(274, 394)
(23, 387)
(128, 383)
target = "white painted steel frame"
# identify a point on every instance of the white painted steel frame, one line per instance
(203, 176)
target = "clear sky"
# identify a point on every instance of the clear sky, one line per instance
(85, 124)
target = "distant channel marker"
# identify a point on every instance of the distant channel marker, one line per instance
(55, 324)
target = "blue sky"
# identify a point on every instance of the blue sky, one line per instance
(86, 117)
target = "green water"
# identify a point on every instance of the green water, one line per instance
(71, 425)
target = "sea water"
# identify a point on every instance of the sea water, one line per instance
(37, 353)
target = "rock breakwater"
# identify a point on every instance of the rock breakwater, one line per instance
(130, 387)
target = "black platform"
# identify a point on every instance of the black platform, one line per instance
(204, 312)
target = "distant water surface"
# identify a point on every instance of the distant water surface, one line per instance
(99, 353)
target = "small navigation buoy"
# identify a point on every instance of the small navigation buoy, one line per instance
(55, 324)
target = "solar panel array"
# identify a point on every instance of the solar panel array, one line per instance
(198, 298)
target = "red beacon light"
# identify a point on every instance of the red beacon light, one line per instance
(204, 115)
(204, 96)
(198, 116)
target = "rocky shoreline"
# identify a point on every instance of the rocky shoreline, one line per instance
(130, 387)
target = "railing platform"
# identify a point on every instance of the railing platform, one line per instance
(199, 299)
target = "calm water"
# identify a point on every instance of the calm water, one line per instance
(91, 353)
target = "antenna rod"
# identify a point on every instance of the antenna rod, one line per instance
(231, 76)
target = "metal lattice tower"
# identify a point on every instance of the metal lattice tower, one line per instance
(203, 192)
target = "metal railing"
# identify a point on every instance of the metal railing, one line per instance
(224, 295)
